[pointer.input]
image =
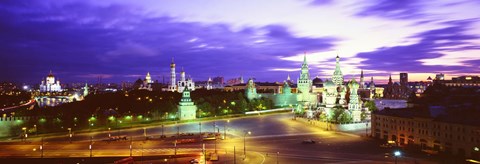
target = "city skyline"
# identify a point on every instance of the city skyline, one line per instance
(123, 40)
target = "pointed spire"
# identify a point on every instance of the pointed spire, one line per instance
(182, 70)
(148, 73)
(288, 77)
(172, 60)
(371, 79)
(361, 74)
(305, 58)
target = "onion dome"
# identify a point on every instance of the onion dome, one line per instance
(353, 84)
(328, 84)
(317, 81)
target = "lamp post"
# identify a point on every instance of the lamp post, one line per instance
(234, 156)
(130, 146)
(178, 131)
(70, 134)
(200, 128)
(24, 134)
(215, 143)
(41, 149)
(244, 146)
(204, 154)
(225, 130)
(145, 133)
(109, 134)
(175, 145)
(162, 132)
(36, 131)
(277, 156)
(90, 146)
(366, 129)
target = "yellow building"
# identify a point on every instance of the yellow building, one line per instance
(416, 128)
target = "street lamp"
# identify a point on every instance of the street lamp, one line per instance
(36, 131)
(397, 154)
(90, 146)
(277, 156)
(366, 129)
(24, 133)
(70, 134)
(163, 136)
(41, 149)
(109, 134)
(225, 130)
(200, 128)
(131, 146)
(244, 146)
(145, 133)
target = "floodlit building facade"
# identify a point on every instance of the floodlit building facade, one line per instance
(187, 110)
(414, 128)
(50, 85)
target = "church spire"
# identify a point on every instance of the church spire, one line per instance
(337, 74)
(390, 79)
(305, 58)
(362, 83)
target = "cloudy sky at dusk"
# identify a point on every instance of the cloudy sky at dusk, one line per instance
(81, 40)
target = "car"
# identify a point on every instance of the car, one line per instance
(385, 145)
(308, 141)
(386, 155)
(194, 161)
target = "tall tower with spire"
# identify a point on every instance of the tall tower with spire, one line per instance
(390, 82)
(362, 82)
(304, 83)
(372, 88)
(337, 77)
(182, 75)
(173, 78)
(85, 90)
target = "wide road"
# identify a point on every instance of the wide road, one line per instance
(272, 138)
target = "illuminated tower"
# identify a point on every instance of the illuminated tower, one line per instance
(304, 83)
(372, 89)
(187, 110)
(337, 75)
(182, 75)
(85, 90)
(362, 82)
(354, 105)
(173, 78)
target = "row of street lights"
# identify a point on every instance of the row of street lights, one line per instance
(90, 147)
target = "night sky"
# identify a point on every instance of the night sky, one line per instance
(81, 40)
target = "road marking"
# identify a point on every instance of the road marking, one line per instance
(262, 157)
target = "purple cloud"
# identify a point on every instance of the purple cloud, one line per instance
(431, 45)
(78, 41)
(393, 9)
(321, 2)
